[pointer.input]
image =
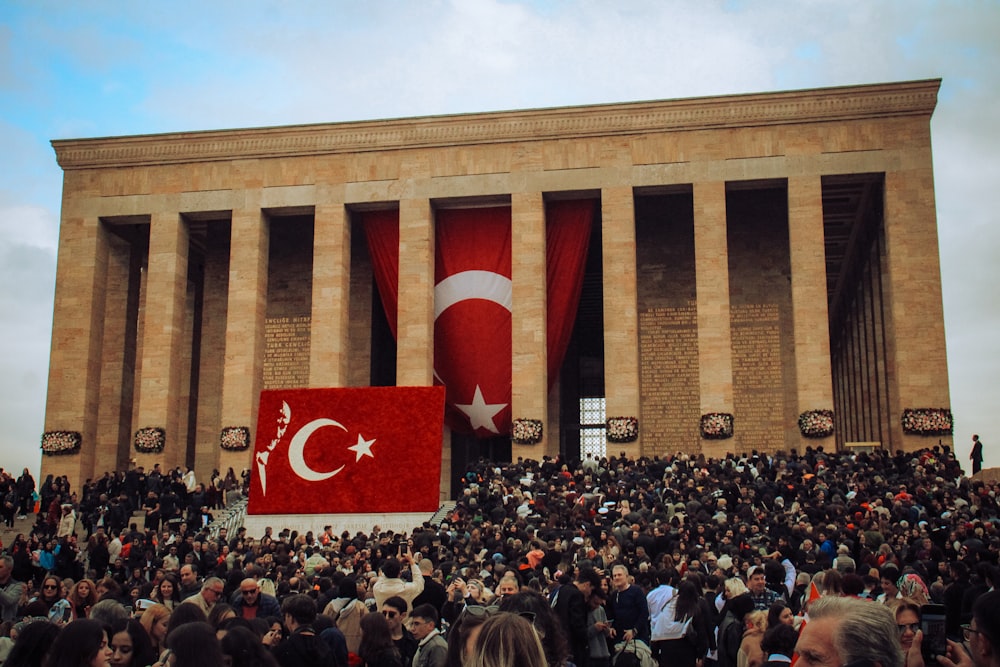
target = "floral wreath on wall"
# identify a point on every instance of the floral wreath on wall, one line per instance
(928, 421)
(527, 431)
(622, 429)
(150, 440)
(58, 443)
(816, 423)
(716, 426)
(234, 438)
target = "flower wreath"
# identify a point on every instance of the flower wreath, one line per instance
(928, 421)
(816, 423)
(234, 438)
(716, 426)
(622, 429)
(527, 431)
(150, 440)
(59, 443)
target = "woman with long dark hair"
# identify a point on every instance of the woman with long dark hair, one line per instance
(82, 643)
(130, 645)
(377, 648)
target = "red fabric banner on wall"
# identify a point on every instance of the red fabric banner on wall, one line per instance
(348, 451)
(472, 325)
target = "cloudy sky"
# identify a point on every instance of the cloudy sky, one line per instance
(96, 68)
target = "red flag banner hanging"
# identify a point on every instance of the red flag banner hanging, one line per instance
(472, 326)
(347, 451)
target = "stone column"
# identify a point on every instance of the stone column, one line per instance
(114, 435)
(163, 329)
(415, 319)
(245, 312)
(621, 318)
(810, 319)
(915, 330)
(528, 319)
(77, 334)
(331, 290)
(715, 354)
(415, 314)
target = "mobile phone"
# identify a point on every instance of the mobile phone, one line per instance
(67, 614)
(932, 625)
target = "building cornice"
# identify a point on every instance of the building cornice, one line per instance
(913, 98)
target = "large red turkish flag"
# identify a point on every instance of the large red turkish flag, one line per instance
(347, 451)
(472, 326)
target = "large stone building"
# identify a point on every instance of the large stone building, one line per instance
(760, 256)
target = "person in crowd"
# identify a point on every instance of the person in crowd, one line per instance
(32, 645)
(507, 640)
(981, 634)
(50, 601)
(778, 644)
(528, 604)
(155, 620)
(212, 591)
(432, 649)
(750, 653)
(130, 645)
(628, 611)
(251, 602)
(346, 611)
(11, 590)
(377, 647)
(598, 630)
(390, 583)
(843, 630)
(434, 592)
(302, 647)
(82, 598)
(190, 585)
(194, 645)
(166, 592)
(221, 612)
(907, 613)
(82, 643)
(395, 611)
(242, 648)
(570, 607)
(780, 613)
(106, 612)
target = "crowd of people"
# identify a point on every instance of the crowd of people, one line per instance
(676, 561)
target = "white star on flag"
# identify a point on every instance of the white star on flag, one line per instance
(481, 413)
(363, 448)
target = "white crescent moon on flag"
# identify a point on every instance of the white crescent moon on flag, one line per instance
(466, 285)
(296, 451)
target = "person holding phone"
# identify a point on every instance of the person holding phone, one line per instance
(981, 635)
(389, 582)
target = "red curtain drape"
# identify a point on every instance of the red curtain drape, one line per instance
(382, 233)
(567, 239)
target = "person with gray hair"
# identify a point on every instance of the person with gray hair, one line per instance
(10, 589)
(842, 631)
(108, 612)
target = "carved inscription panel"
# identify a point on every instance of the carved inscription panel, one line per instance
(286, 353)
(757, 376)
(668, 350)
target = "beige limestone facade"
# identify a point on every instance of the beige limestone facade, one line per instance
(759, 255)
